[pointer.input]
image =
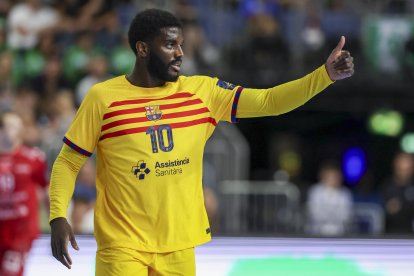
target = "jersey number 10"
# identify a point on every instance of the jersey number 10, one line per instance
(157, 138)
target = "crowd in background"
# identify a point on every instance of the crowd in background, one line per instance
(52, 52)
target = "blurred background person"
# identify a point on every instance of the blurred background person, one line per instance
(22, 184)
(329, 205)
(262, 48)
(97, 71)
(26, 105)
(83, 200)
(77, 55)
(61, 111)
(27, 21)
(49, 82)
(6, 70)
(398, 196)
(211, 201)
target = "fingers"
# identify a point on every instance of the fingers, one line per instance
(73, 242)
(66, 260)
(349, 71)
(344, 63)
(340, 45)
(60, 252)
(343, 55)
(340, 64)
(61, 235)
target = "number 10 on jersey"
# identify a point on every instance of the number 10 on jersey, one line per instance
(158, 140)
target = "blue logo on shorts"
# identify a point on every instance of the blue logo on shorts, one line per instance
(140, 170)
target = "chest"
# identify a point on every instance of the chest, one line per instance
(174, 124)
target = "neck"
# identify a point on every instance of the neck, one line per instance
(141, 77)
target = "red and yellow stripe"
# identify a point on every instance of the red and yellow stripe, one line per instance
(179, 111)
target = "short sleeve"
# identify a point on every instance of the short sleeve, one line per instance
(84, 132)
(224, 100)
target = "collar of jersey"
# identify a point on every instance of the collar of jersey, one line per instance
(164, 90)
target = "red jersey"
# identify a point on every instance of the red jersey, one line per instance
(20, 172)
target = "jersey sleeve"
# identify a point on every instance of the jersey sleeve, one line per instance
(62, 181)
(282, 98)
(84, 132)
(223, 99)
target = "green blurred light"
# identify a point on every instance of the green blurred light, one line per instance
(407, 143)
(299, 266)
(386, 122)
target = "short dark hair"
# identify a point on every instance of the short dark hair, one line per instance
(147, 24)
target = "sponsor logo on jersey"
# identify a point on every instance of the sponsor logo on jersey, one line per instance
(171, 167)
(140, 170)
(153, 112)
(225, 85)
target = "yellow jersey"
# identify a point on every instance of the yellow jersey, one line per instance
(150, 144)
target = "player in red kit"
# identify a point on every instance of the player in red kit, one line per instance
(22, 172)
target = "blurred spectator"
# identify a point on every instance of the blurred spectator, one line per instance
(313, 38)
(77, 56)
(3, 45)
(27, 21)
(396, 6)
(6, 70)
(97, 72)
(201, 57)
(22, 176)
(62, 111)
(329, 207)
(211, 201)
(26, 105)
(108, 32)
(122, 59)
(49, 83)
(5, 6)
(398, 196)
(84, 198)
(253, 7)
(264, 50)
(97, 17)
(408, 58)
(126, 10)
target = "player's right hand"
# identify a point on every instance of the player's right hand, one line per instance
(61, 234)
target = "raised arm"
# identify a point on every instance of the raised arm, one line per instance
(288, 96)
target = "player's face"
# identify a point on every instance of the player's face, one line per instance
(166, 54)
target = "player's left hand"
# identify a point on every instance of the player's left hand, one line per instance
(340, 63)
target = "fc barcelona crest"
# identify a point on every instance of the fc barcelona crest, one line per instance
(153, 112)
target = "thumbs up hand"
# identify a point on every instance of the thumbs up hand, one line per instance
(340, 63)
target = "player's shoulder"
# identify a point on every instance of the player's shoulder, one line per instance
(196, 82)
(100, 92)
(111, 83)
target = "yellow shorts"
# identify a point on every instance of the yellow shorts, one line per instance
(129, 262)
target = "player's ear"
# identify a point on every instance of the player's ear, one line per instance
(142, 49)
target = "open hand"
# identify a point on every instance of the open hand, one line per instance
(340, 63)
(61, 234)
